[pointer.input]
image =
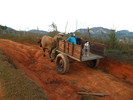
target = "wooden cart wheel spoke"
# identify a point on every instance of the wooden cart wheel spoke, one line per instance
(61, 65)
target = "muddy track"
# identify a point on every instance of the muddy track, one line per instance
(65, 87)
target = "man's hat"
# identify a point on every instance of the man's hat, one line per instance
(72, 34)
(61, 33)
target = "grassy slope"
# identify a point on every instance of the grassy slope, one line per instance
(15, 85)
(122, 52)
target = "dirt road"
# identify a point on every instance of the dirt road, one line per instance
(65, 87)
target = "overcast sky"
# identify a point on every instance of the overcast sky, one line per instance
(30, 14)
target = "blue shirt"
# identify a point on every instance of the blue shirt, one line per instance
(72, 40)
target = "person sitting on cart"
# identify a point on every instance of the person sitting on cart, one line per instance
(62, 36)
(59, 36)
(72, 38)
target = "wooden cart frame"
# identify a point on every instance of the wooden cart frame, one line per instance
(66, 49)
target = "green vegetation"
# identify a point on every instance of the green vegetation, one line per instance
(15, 85)
(121, 51)
(112, 42)
(113, 48)
(20, 36)
(118, 50)
(3, 27)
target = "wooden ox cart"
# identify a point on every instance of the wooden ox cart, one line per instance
(67, 50)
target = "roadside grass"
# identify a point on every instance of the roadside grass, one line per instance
(21, 37)
(120, 55)
(15, 84)
(113, 48)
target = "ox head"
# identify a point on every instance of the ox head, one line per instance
(39, 42)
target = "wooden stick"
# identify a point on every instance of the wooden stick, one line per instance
(94, 94)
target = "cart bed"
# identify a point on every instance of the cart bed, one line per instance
(75, 51)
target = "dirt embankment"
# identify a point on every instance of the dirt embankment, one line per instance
(65, 87)
(118, 69)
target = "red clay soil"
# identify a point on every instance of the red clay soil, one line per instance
(65, 87)
(1, 93)
(118, 69)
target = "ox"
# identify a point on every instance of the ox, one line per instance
(48, 43)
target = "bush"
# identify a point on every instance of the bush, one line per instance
(112, 42)
(21, 36)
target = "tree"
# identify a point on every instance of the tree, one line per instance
(3, 27)
(53, 27)
(88, 29)
(113, 40)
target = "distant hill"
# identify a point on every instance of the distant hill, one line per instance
(124, 32)
(9, 28)
(6, 28)
(32, 31)
(38, 31)
(95, 30)
(101, 30)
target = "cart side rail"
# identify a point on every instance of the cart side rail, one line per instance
(70, 48)
(97, 48)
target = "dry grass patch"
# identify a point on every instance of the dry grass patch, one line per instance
(15, 85)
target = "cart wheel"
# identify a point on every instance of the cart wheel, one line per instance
(93, 63)
(62, 63)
